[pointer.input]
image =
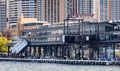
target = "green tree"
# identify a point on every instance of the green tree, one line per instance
(4, 44)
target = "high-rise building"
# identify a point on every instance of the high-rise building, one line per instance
(85, 7)
(105, 10)
(71, 8)
(109, 10)
(2, 15)
(100, 10)
(39, 9)
(17, 7)
(54, 11)
(115, 9)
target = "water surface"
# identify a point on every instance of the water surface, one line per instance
(21, 66)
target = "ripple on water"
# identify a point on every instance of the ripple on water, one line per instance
(21, 66)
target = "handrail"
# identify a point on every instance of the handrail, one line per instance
(19, 46)
(15, 45)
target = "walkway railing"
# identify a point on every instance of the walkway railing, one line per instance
(19, 46)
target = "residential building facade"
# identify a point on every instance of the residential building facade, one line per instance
(55, 11)
(115, 9)
(17, 7)
(85, 7)
(2, 15)
(106, 10)
(100, 10)
(52, 10)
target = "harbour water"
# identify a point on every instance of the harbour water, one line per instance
(28, 66)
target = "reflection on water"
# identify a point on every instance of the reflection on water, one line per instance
(20, 66)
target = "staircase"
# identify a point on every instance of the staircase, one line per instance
(19, 46)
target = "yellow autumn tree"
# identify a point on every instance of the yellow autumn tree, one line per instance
(4, 44)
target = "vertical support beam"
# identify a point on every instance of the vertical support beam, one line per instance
(39, 51)
(97, 39)
(113, 50)
(26, 52)
(64, 27)
(98, 52)
(89, 53)
(106, 52)
(75, 53)
(34, 51)
(52, 50)
(42, 51)
(44, 48)
(30, 51)
(82, 52)
(92, 53)
(47, 51)
(79, 54)
(56, 51)
(67, 26)
(62, 51)
(50, 47)
(82, 40)
(79, 27)
(68, 51)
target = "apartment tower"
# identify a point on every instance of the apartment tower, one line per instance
(17, 7)
(3, 19)
(115, 9)
(106, 10)
(85, 7)
(100, 10)
(54, 11)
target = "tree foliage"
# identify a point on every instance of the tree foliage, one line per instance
(4, 44)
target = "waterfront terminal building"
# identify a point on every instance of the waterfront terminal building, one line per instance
(73, 39)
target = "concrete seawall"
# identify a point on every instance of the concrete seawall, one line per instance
(60, 61)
